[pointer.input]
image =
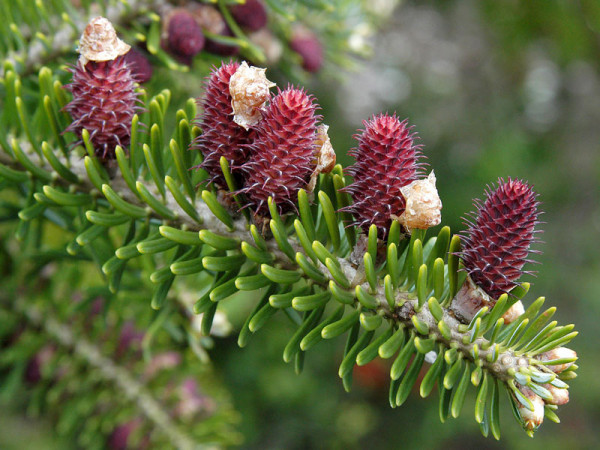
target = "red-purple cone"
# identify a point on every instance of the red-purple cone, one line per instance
(221, 136)
(496, 245)
(141, 68)
(104, 103)
(184, 35)
(251, 15)
(283, 153)
(386, 161)
(308, 46)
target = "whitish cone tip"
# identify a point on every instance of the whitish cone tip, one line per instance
(560, 396)
(469, 299)
(99, 42)
(533, 419)
(423, 204)
(325, 155)
(555, 354)
(514, 312)
(249, 89)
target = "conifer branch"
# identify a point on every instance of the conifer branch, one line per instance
(257, 204)
(505, 362)
(183, 221)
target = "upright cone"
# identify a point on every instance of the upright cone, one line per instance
(387, 159)
(104, 98)
(497, 243)
(283, 155)
(221, 136)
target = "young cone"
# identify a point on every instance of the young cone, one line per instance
(496, 245)
(250, 15)
(221, 136)
(307, 45)
(104, 98)
(139, 65)
(283, 154)
(386, 161)
(184, 35)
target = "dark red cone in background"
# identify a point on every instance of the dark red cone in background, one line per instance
(211, 21)
(221, 136)
(184, 35)
(283, 153)
(308, 46)
(386, 161)
(496, 245)
(138, 63)
(104, 103)
(251, 15)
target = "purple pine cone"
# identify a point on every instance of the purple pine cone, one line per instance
(184, 35)
(387, 159)
(104, 103)
(221, 136)
(251, 15)
(308, 46)
(496, 245)
(283, 153)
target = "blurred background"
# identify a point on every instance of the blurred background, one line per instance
(494, 89)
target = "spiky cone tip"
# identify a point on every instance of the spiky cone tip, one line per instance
(103, 87)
